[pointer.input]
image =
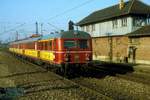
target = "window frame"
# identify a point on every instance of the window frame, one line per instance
(115, 23)
(124, 22)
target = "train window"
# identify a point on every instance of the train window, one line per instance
(30, 45)
(70, 44)
(45, 45)
(83, 44)
(40, 46)
(50, 45)
(54, 45)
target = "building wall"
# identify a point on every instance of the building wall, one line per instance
(142, 49)
(120, 49)
(102, 48)
(105, 28)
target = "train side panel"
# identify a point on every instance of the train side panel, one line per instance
(31, 53)
(47, 55)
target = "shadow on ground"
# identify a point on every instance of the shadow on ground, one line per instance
(10, 93)
(102, 69)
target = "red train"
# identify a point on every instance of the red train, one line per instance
(62, 49)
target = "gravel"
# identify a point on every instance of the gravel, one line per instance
(39, 84)
(116, 88)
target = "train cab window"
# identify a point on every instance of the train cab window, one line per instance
(70, 44)
(83, 44)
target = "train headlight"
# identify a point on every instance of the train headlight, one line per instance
(87, 57)
(66, 57)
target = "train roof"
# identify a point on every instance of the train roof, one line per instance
(75, 34)
(67, 34)
(64, 34)
(26, 40)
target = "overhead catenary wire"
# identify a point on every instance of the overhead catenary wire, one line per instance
(57, 28)
(54, 17)
(13, 29)
(67, 11)
(71, 9)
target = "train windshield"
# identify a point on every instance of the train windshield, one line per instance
(82, 44)
(70, 44)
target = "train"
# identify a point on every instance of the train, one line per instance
(62, 50)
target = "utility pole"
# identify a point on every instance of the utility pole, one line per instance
(37, 28)
(41, 28)
(17, 35)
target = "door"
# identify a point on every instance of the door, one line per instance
(132, 54)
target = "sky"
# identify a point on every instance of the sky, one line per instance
(21, 15)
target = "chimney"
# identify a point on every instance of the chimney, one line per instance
(121, 5)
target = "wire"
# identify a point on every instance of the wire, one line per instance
(13, 29)
(71, 9)
(67, 11)
(54, 26)
(54, 17)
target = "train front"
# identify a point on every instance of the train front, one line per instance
(74, 48)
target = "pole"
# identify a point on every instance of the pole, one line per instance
(37, 28)
(41, 28)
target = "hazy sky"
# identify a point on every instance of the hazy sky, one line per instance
(21, 15)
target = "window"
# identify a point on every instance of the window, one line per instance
(50, 45)
(93, 27)
(148, 21)
(82, 28)
(70, 44)
(139, 21)
(45, 45)
(31, 45)
(83, 44)
(115, 23)
(87, 29)
(124, 22)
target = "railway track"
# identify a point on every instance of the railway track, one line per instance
(125, 84)
(136, 77)
(36, 83)
(126, 76)
(94, 83)
(125, 73)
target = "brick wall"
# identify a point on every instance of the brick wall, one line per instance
(102, 47)
(120, 48)
(143, 49)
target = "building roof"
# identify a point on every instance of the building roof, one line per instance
(143, 31)
(130, 7)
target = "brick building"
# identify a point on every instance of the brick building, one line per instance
(120, 32)
(139, 45)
